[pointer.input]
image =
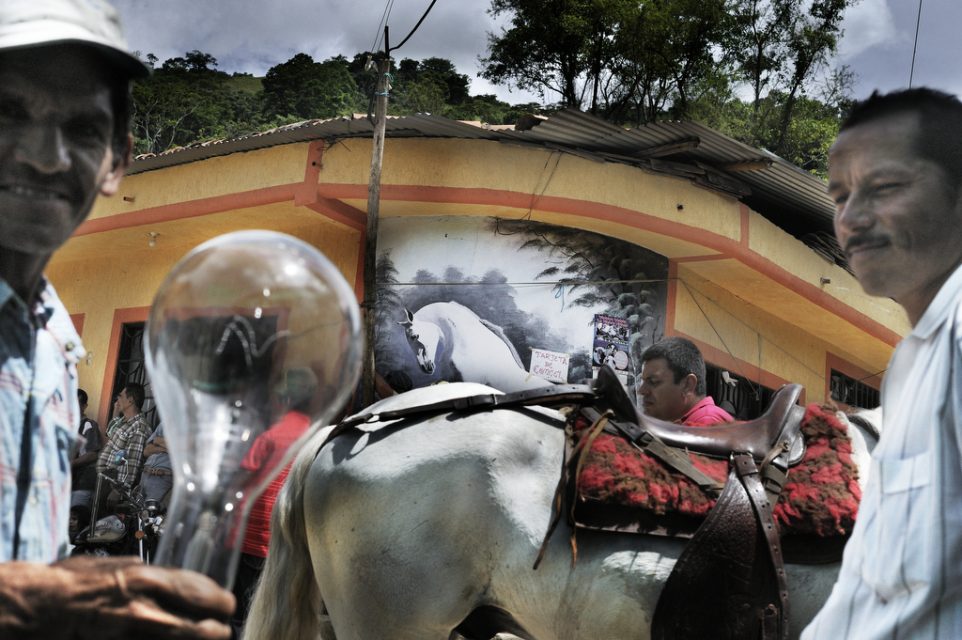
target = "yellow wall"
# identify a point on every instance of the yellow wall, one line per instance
(767, 287)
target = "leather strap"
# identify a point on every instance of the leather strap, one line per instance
(552, 395)
(674, 458)
(744, 466)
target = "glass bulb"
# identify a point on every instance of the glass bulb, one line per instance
(253, 342)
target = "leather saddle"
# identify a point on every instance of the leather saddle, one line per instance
(730, 580)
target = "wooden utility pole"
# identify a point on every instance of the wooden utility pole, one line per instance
(373, 213)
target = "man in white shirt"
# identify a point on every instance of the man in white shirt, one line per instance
(895, 174)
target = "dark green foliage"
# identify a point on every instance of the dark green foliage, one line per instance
(306, 89)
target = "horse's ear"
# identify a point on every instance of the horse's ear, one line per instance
(409, 320)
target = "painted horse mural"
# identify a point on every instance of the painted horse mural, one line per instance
(410, 533)
(452, 342)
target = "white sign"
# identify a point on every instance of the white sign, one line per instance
(550, 365)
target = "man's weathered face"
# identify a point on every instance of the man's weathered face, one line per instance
(662, 397)
(56, 124)
(897, 215)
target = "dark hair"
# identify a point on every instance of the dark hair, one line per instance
(81, 396)
(940, 114)
(136, 393)
(682, 356)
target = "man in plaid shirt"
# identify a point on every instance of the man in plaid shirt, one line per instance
(124, 450)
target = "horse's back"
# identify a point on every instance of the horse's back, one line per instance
(420, 517)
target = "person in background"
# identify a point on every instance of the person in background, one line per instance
(671, 385)
(65, 75)
(294, 396)
(84, 464)
(157, 478)
(123, 453)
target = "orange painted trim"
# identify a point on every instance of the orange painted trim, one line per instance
(189, 209)
(868, 378)
(121, 317)
(78, 322)
(340, 212)
(307, 193)
(744, 214)
(671, 302)
(745, 369)
(717, 256)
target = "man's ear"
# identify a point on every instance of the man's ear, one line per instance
(689, 383)
(111, 182)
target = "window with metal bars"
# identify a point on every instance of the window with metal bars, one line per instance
(749, 399)
(853, 393)
(131, 367)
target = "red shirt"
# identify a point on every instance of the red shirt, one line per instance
(705, 414)
(264, 456)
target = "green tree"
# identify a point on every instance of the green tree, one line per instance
(307, 89)
(558, 46)
(188, 100)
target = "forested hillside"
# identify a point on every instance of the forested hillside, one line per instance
(758, 70)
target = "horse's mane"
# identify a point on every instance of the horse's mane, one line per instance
(498, 331)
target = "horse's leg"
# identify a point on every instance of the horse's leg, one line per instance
(392, 549)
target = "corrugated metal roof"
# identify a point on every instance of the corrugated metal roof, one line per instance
(790, 197)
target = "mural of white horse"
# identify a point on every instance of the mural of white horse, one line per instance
(405, 533)
(449, 338)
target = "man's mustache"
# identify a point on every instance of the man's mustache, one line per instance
(867, 240)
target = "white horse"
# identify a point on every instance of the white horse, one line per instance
(450, 337)
(406, 533)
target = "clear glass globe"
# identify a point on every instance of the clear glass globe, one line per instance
(253, 343)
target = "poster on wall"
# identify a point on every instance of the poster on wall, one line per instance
(610, 346)
(465, 298)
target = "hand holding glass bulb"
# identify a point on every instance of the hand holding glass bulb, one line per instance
(253, 343)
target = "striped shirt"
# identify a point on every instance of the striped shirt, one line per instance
(901, 574)
(39, 350)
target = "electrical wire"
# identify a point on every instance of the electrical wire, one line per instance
(388, 5)
(407, 37)
(915, 46)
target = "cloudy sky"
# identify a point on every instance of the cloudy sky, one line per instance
(253, 35)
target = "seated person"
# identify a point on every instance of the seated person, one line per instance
(671, 385)
(157, 477)
(83, 469)
(121, 456)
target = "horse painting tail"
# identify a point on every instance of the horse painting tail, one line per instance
(287, 603)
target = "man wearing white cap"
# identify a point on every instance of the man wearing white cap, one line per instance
(64, 117)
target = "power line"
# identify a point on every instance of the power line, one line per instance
(379, 33)
(915, 46)
(408, 36)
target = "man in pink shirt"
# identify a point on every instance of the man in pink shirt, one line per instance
(672, 385)
(295, 394)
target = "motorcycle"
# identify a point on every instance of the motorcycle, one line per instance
(133, 527)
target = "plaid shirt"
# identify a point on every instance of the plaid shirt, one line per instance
(124, 449)
(39, 351)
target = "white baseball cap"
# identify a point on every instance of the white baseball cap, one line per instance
(34, 23)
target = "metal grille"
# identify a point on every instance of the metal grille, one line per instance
(852, 392)
(749, 399)
(131, 367)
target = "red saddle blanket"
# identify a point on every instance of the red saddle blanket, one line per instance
(820, 497)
